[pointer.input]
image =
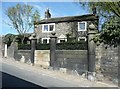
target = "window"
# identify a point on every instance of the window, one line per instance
(45, 40)
(62, 38)
(62, 41)
(82, 26)
(48, 27)
(83, 39)
(45, 27)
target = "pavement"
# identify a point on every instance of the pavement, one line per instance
(53, 78)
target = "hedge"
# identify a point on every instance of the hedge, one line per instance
(72, 46)
(59, 46)
(24, 47)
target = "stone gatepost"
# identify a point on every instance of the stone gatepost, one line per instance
(53, 40)
(91, 52)
(33, 47)
(5, 51)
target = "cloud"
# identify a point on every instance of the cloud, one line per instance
(42, 7)
(37, 6)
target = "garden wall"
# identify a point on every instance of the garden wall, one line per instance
(107, 61)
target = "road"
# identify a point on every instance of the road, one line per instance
(12, 81)
(34, 77)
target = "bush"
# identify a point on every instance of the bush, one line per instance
(24, 47)
(72, 46)
(43, 46)
(59, 46)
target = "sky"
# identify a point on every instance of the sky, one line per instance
(57, 9)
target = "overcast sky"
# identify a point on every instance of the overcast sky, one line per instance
(57, 9)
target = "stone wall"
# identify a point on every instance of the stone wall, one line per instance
(23, 55)
(42, 58)
(72, 60)
(107, 61)
(62, 28)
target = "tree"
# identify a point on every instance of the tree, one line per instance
(110, 12)
(104, 9)
(8, 38)
(22, 18)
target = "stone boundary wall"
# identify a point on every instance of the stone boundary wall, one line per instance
(72, 60)
(23, 55)
(76, 60)
(42, 58)
(107, 61)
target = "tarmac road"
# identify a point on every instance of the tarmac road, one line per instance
(12, 81)
(39, 79)
(44, 78)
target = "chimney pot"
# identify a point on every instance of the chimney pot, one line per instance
(47, 14)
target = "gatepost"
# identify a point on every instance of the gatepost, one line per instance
(33, 46)
(91, 52)
(5, 49)
(53, 62)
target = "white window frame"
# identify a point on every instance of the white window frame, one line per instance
(82, 38)
(47, 40)
(62, 39)
(48, 27)
(85, 26)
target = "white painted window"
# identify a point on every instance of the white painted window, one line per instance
(45, 40)
(62, 38)
(48, 27)
(82, 26)
(82, 39)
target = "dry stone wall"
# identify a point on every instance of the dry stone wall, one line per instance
(107, 61)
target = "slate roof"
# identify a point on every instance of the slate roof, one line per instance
(88, 17)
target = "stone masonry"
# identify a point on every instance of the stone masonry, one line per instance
(107, 61)
(66, 25)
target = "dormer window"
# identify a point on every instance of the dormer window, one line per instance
(82, 26)
(48, 27)
(83, 39)
(45, 40)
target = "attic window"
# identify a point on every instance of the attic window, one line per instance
(82, 26)
(48, 27)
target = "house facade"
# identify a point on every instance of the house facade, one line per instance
(75, 27)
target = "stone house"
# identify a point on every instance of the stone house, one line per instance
(75, 27)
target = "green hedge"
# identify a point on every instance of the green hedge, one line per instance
(59, 46)
(24, 47)
(72, 46)
(43, 46)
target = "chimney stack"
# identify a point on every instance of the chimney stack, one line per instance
(47, 14)
(94, 10)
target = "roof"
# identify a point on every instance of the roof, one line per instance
(68, 19)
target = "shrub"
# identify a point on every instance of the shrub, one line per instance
(72, 46)
(59, 46)
(24, 46)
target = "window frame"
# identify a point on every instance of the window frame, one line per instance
(48, 27)
(82, 38)
(47, 40)
(85, 26)
(61, 39)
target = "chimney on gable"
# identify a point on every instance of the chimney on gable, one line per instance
(94, 10)
(47, 14)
